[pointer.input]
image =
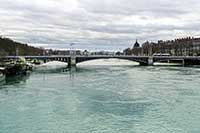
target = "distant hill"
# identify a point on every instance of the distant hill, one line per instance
(10, 47)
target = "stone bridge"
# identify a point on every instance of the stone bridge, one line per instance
(142, 60)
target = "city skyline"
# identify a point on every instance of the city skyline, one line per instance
(93, 24)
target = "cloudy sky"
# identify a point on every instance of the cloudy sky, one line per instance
(97, 24)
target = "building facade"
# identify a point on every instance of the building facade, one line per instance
(179, 47)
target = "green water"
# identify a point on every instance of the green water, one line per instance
(103, 99)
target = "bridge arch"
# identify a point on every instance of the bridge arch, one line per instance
(141, 61)
(109, 61)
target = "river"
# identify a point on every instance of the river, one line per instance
(112, 98)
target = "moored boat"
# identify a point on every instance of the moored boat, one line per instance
(2, 75)
(17, 67)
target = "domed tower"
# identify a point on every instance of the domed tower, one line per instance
(136, 45)
(137, 50)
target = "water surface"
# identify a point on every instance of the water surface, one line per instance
(103, 99)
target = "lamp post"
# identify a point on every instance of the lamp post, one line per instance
(72, 52)
(17, 52)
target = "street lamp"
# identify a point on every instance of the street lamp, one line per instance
(72, 49)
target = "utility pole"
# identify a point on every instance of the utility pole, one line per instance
(72, 61)
(72, 52)
(17, 52)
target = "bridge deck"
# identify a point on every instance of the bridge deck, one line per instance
(141, 59)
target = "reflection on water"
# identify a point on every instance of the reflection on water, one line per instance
(103, 99)
(2, 82)
(16, 79)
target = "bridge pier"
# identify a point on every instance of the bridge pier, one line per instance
(71, 62)
(147, 62)
(150, 61)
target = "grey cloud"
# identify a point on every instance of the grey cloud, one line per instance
(94, 23)
(130, 7)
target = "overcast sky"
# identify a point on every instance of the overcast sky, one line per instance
(97, 24)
